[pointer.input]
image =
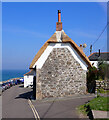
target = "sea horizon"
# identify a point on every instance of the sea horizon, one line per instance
(7, 74)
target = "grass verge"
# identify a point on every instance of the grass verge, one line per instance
(82, 111)
(99, 103)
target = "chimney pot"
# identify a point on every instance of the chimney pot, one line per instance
(80, 45)
(59, 15)
(59, 11)
(59, 23)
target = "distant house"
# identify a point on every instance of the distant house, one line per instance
(99, 56)
(60, 66)
(28, 78)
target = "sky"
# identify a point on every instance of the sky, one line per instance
(26, 26)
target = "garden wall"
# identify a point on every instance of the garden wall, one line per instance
(102, 84)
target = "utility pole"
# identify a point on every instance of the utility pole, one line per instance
(91, 49)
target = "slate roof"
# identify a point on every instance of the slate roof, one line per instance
(31, 72)
(103, 56)
(65, 39)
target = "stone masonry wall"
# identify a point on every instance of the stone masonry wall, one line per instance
(102, 84)
(61, 75)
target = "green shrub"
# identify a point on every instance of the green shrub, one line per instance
(100, 73)
(103, 69)
(91, 77)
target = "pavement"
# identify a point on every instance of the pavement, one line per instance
(15, 104)
(100, 114)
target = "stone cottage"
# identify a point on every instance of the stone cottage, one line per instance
(59, 66)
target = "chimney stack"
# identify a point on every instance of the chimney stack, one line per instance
(81, 47)
(59, 23)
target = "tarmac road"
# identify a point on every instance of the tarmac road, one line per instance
(61, 108)
(15, 105)
(0, 107)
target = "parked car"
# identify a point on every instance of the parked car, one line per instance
(18, 81)
(13, 82)
(10, 84)
(22, 80)
(4, 86)
(0, 89)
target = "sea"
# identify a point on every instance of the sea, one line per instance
(9, 74)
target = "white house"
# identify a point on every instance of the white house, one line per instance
(99, 56)
(28, 78)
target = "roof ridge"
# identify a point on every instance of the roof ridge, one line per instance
(91, 54)
(96, 53)
(65, 39)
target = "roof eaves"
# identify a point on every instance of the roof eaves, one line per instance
(64, 39)
(80, 52)
(27, 72)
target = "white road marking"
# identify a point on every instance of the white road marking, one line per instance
(32, 110)
(36, 115)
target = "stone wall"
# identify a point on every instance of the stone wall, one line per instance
(61, 75)
(102, 84)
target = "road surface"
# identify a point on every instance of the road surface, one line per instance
(15, 105)
(61, 108)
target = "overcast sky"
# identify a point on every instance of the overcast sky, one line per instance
(27, 26)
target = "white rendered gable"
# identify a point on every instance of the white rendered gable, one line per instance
(59, 35)
(50, 47)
